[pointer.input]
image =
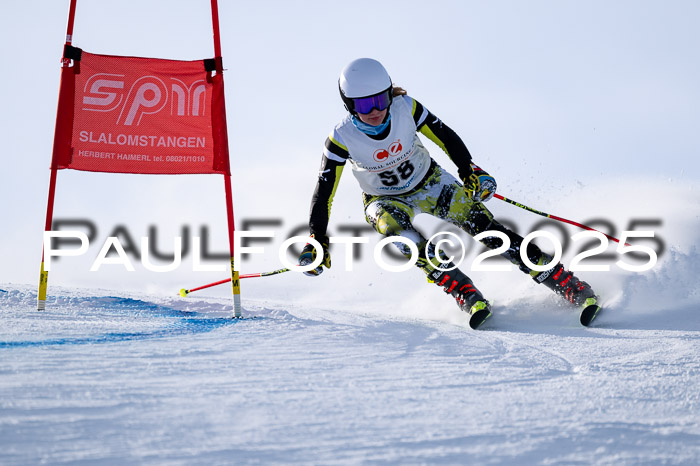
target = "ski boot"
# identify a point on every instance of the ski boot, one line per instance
(469, 299)
(577, 292)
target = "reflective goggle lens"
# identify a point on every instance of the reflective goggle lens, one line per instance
(366, 104)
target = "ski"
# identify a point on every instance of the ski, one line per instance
(479, 317)
(589, 313)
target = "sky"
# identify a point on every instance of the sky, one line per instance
(560, 101)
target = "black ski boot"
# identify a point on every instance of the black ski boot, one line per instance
(577, 292)
(565, 284)
(468, 298)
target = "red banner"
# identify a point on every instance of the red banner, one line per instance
(141, 115)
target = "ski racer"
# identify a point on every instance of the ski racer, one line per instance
(400, 179)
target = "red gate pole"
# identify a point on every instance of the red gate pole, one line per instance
(44, 274)
(235, 281)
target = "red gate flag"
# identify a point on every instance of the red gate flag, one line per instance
(141, 115)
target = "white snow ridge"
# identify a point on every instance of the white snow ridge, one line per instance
(100, 379)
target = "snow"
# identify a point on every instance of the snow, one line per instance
(364, 366)
(107, 377)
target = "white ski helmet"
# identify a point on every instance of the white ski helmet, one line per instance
(363, 78)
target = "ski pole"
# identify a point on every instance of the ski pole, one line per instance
(553, 217)
(184, 292)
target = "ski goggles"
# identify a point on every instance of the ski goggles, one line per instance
(365, 105)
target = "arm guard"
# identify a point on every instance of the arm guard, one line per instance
(442, 135)
(322, 200)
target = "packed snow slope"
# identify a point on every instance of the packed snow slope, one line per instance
(364, 366)
(106, 377)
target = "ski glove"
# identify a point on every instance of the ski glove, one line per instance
(480, 186)
(308, 255)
